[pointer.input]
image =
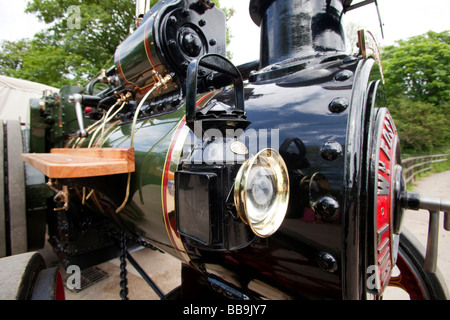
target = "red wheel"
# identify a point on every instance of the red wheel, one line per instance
(410, 277)
(395, 257)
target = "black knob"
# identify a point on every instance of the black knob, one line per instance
(191, 44)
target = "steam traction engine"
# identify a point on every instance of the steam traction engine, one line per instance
(278, 179)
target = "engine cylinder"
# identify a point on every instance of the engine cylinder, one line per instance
(170, 36)
(296, 29)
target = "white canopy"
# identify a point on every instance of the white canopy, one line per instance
(15, 95)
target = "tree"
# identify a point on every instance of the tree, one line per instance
(419, 68)
(47, 64)
(422, 127)
(84, 35)
(81, 39)
(417, 74)
(12, 56)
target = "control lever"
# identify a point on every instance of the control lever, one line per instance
(414, 201)
(76, 99)
(432, 242)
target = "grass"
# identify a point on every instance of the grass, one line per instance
(441, 166)
(435, 168)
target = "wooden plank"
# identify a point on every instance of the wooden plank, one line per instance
(106, 153)
(82, 163)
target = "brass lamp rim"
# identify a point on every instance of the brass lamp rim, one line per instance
(277, 211)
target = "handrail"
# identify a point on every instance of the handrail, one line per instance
(416, 165)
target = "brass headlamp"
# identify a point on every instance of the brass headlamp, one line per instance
(261, 192)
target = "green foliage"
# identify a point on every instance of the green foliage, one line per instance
(422, 126)
(441, 166)
(417, 74)
(12, 55)
(44, 63)
(81, 38)
(419, 68)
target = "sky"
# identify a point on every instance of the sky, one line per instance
(401, 18)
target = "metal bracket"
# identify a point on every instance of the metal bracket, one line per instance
(76, 99)
(414, 201)
(216, 63)
(61, 196)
